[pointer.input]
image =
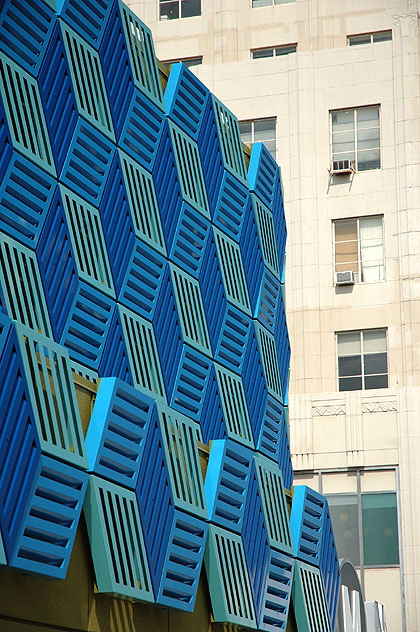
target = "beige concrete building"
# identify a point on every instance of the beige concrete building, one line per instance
(333, 88)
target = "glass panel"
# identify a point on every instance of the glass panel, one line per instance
(343, 141)
(354, 40)
(346, 251)
(371, 249)
(374, 341)
(195, 61)
(286, 50)
(344, 231)
(349, 365)
(264, 129)
(342, 120)
(382, 36)
(261, 3)
(369, 159)
(367, 117)
(245, 130)
(376, 381)
(190, 8)
(375, 363)
(368, 138)
(348, 343)
(350, 384)
(169, 10)
(283, 1)
(380, 529)
(262, 52)
(344, 518)
(271, 146)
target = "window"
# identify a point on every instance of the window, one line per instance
(355, 137)
(173, 9)
(259, 130)
(359, 248)
(273, 51)
(369, 38)
(269, 3)
(362, 360)
(376, 543)
(187, 61)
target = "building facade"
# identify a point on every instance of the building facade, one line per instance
(333, 89)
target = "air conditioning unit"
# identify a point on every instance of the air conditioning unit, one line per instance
(344, 278)
(342, 166)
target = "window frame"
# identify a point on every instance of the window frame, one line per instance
(253, 140)
(282, 50)
(355, 129)
(273, 3)
(185, 60)
(359, 273)
(362, 354)
(179, 16)
(371, 36)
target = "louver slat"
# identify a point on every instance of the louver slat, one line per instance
(116, 541)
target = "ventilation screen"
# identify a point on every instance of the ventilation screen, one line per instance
(234, 405)
(267, 235)
(233, 271)
(230, 139)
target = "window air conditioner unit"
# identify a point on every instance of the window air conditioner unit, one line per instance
(342, 166)
(344, 278)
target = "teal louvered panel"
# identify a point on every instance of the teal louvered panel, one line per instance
(88, 81)
(228, 579)
(267, 235)
(189, 169)
(143, 203)
(142, 54)
(190, 310)
(233, 271)
(47, 370)
(88, 241)
(142, 354)
(22, 286)
(268, 352)
(276, 514)
(116, 541)
(235, 410)
(181, 436)
(309, 599)
(230, 139)
(84, 372)
(24, 114)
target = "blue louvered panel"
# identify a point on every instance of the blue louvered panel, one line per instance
(57, 266)
(116, 541)
(181, 436)
(47, 370)
(214, 302)
(282, 340)
(280, 228)
(143, 203)
(190, 310)
(309, 599)
(233, 204)
(5, 141)
(235, 411)
(270, 428)
(190, 240)
(116, 433)
(87, 325)
(155, 501)
(263, 174)
(226, 484)
(143, 279)
(255, 385)
(252, 258)
(270, 363)
(88, 162)
(26, 192)
(276, 596)
(19, 444)
(167, 186)
(46, 540)
(142, 352)
(181, 572)
(26, 29)
(210, 155)
(117, 223)
(273, 499)
(114, 361)
(185, 99)
(232, 270)
(26, 120)
(212, 421)
(142, 130)
(86, 17)
(267, 235)
(168, 333)
(88, 241)
(191, 383)
(307, 520)
(189, 169)
(88, 82)
(285, 458)
(255, 539)
(22, 288)
(232, 344)
(58, 97)
(330, 568)
(226, 569)
(230, 139)
(270, 305)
